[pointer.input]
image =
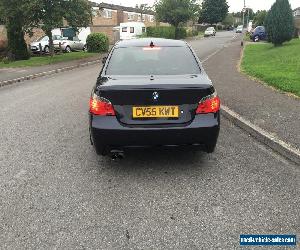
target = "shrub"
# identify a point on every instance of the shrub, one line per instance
(181, 33)
(220, 27)
(191, 32)
(97, 42)
(161, 31)
(6, 60)
(280, 22)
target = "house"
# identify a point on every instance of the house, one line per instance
(296, 14)
(108, 16)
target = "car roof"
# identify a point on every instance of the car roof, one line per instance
(160, 42)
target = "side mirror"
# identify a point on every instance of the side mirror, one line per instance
(104, 59)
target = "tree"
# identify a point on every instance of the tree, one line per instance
(280, 23)
(17, 16)
(229, 20)
(175, 12)
(213, 11)
(259, 18)
(52, 13)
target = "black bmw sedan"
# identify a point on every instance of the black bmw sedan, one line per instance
(153, 92)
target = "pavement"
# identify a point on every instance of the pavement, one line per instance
(265, 107)
(56, 193)
(13, 73)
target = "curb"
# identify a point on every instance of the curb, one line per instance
(263, 136)
(48, 73)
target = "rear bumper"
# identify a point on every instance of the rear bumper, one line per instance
(107, 133)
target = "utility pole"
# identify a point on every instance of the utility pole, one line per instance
(244, 10)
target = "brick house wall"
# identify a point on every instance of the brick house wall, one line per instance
(108, 30)
(107, 16)
(36, 34)
(3, 37)
(296, 14)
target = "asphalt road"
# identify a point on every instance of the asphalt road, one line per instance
(56, 193)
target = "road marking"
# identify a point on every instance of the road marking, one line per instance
(225, 45)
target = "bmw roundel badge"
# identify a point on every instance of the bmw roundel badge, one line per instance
(155, 96)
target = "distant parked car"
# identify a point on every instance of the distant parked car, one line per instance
(230, 27)
(259, 33)
(69, 45)
(239, 29)
(210, 31)
(44, 41)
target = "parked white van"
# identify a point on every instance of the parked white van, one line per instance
(131, 30)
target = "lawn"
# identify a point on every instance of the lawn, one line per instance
(276, 66)
(45, 60)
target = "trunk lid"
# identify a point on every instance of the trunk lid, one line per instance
(183, 92)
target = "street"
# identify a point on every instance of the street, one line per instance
(56, 193)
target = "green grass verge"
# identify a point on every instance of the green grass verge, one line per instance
(276, 66)
(46, 60)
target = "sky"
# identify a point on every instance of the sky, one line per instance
(235, 5)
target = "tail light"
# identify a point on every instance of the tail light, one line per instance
(209, 104)
(101, 106)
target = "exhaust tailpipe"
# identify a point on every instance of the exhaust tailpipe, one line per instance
(117, 154)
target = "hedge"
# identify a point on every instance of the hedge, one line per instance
(97, 42)
(181, 33)
(161, 31)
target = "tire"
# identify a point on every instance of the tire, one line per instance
(68, 49)
(47, 49)
(210, 148)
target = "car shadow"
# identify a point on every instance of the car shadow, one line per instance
(158, 160)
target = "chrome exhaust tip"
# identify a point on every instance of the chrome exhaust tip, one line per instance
(117, 154)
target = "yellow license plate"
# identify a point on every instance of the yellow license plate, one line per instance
(155, 112)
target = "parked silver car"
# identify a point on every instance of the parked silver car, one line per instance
(210, 31)
(69, 45)
(44, 41)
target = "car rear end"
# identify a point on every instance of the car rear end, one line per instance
(210, 31)
(154, 110)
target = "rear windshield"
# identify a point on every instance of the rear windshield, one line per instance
(152, 61)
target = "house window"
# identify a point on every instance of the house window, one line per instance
(143, 18)
(151, 19)
(139, 17)
(131, 29)
(95, 12)
(124, 29)
(143, 29)
(107, 13)
(130, 17)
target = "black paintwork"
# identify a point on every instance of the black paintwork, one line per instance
(124, 92)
